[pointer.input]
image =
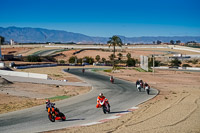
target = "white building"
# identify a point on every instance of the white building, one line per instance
(12, 42)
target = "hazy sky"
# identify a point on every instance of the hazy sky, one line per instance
(105, 17)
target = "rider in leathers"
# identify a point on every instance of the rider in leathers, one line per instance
(49, 106)
(100, 98)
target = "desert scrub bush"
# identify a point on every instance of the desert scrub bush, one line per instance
(139, 69)
(33, 58)
(61, 61)
(108, 70)
(186, 65)
(175, 62)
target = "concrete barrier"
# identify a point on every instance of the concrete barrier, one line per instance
(160, 67)
(197, 50)
(23, 74)
(2, 64)
(192, 68)
(181, 68)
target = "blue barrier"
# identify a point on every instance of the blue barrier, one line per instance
(36, 66)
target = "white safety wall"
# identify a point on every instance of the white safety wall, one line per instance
(144, 62)
(23, 74)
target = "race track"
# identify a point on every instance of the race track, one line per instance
(79, 110)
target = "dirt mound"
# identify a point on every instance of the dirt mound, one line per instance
(4, 81)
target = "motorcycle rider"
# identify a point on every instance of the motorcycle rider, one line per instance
(83, 70)
(141, 83)
(137, 82)
(49, 106)
(111, 79)
(100, 98)
(145, 84)
(146, 87)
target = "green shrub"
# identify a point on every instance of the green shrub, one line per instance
(72, 59)
(33, 58)
(150, 63)
(89, 60)
(62, 62)
(108, 70)
(194, 61)
(130, 62)
(97, 58)
(175, 62)
(186, 65)
(139, 69)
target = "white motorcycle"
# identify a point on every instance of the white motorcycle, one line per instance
(139, 87)
(147, 89)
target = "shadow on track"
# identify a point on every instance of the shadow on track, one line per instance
(119, 112)
(75, 119)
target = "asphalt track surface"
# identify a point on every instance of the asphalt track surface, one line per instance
(46, 52)
(79, 110)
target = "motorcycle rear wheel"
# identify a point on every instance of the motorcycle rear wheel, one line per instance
(62, 116)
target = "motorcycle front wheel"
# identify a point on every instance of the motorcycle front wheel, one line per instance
(148, 91)
(104, 109)
(51, 117)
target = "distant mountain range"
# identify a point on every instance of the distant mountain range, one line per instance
(39, 35)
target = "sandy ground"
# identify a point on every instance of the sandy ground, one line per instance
(15, 51)
(104, 54)
(55, 73)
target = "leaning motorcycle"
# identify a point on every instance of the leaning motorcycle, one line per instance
(139, 87)
(105, 106)
(147, 89)
(55, 114)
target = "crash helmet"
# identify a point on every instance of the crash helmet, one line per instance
(101, 94)
(47, 101)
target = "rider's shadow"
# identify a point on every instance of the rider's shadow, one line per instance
(117, 83)
(75, 119)
(119, 112)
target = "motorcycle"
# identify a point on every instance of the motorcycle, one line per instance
(112, 80)
(139, 87)
(147, 89)
(55, 114)
(105, 106)
(83, 70)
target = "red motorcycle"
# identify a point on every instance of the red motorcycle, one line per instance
(112, 81)
(105, 106)
(55, 114)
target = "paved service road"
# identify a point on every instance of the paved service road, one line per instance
(42, 81)
(79, 110)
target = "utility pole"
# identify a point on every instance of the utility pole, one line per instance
(153, 64)
(0, 49)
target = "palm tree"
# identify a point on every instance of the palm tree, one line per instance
(97, 58)
(2, 39)
(114, 41)
(120, 55)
